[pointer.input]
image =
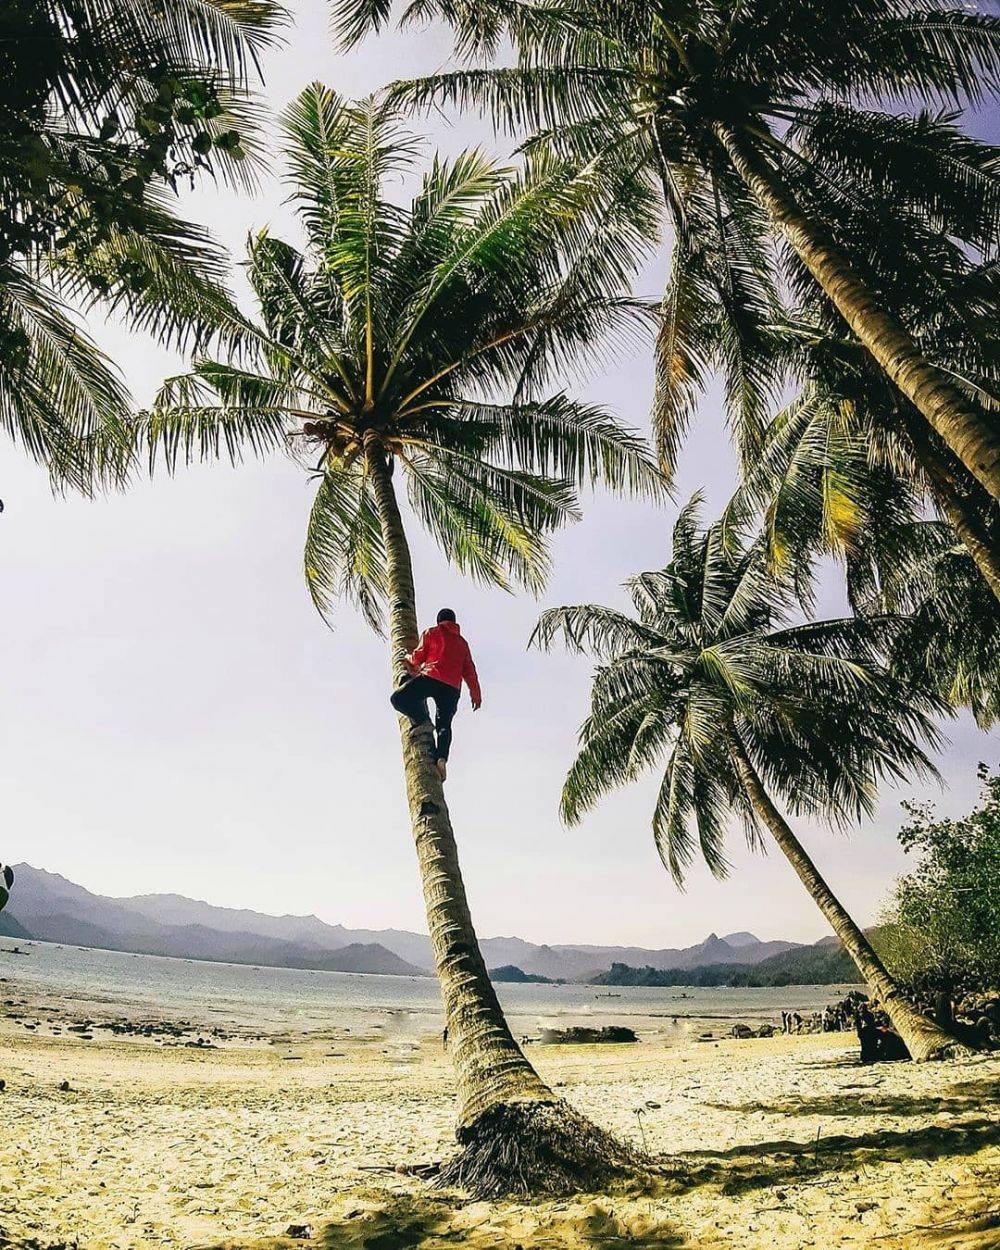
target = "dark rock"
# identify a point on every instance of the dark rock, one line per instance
(614, 1034)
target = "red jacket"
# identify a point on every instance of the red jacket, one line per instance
(443, 653)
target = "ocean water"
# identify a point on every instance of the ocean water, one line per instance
(274, 1000)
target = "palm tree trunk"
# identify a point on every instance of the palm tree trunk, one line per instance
(954, 499)
(968, 524)
(970, 434)
(517, 1136)
(923, 1038)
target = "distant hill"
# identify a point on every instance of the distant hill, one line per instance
(175, 909)
(580, 962)
(515, 975)
(360, 957)
(52, 908)
(825, 963)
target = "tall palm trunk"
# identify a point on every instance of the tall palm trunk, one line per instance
(971, 436)
(517, 1136)
(924, 1039)
(955, 499)
(491, 1067)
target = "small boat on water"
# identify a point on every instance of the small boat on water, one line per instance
(607, 995)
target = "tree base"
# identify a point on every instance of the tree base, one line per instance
(537, 1149)
(928, 1042)
(951, 1049)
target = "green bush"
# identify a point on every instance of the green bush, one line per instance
(943, 921)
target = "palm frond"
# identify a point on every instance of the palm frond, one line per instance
(57, 389)
(490, 521)
(344, 551)
(685, 347)
(592, 630)
(354, 19)
(215, 412)
(566, 439)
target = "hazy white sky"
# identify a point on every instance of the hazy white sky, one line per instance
(176, 717)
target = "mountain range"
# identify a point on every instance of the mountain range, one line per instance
(49, 907)
(825, 963)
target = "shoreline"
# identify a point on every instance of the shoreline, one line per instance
(22, 947)
(166, 987)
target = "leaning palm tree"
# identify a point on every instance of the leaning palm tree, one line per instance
(737, 111)
(848, 411)
(408, 345)
(709, 678)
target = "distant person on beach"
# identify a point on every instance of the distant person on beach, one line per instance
(437, 669)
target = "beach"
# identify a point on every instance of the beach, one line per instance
(137, 1129)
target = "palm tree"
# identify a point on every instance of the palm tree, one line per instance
(849, 469)
(107, 106)
(388, 352)
(710, 677)
(737, 111)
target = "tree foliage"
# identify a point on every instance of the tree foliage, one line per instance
(654, 95)
(107, 107)
(849, 461)
(847, 470)
(428, 332)
(103, 99)
(711, 659)
(946, 911)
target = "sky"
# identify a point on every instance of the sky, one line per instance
(177, 718)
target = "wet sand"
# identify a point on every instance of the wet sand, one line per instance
(165, 1140)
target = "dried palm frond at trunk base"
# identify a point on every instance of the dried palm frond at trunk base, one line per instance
(538, 1149)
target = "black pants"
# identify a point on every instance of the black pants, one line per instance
(411, 699)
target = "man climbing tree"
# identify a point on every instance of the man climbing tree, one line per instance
(437, 669)
(403, 359)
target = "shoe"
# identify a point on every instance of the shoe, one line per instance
(442, 767)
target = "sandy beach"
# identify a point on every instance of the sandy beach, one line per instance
(174, 1136)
